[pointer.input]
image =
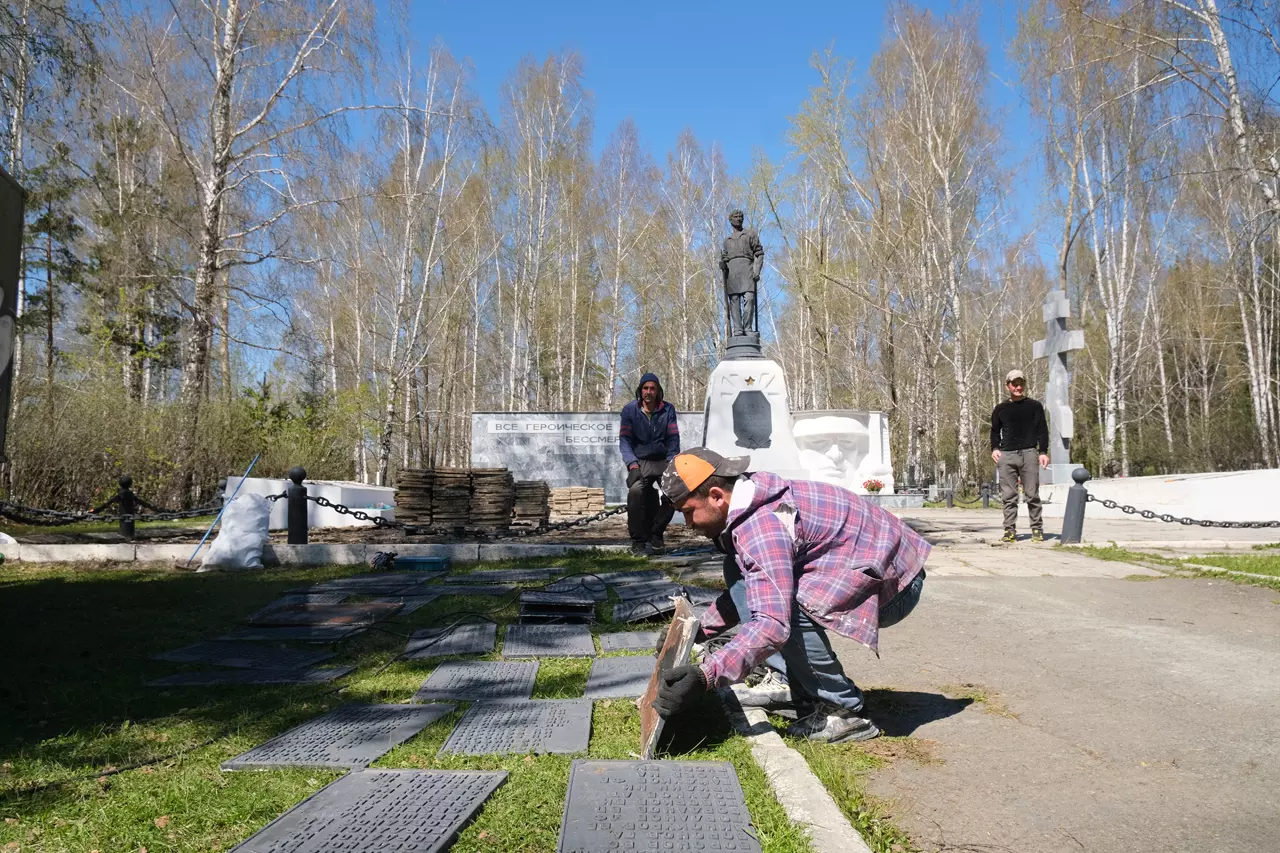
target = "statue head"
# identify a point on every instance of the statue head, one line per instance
(736, 218)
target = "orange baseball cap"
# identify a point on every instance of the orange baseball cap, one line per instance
(692, 468)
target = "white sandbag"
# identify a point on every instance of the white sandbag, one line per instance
(243, 531)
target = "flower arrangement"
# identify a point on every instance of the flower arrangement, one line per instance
(873, 486)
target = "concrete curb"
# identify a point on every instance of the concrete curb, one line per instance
(317, 554)
(800, 792)
(1167, 544)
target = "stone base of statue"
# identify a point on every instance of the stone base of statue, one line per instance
(1057, 474)
(747, 414)
(743, 345)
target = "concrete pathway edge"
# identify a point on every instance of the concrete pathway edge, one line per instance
(316, 554)
(800, 792)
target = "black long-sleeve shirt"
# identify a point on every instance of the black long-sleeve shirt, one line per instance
(1019, 425)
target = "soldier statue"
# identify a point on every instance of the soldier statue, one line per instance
(740, 264)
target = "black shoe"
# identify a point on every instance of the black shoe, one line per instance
(655, 545)
(641, 549)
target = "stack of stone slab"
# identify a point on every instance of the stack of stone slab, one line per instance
(493, 495)
(573, 501)
(413, 495)
(451, 498)
(533, 502)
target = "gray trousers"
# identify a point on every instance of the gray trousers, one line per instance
(1024, 465)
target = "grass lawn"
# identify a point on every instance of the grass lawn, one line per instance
(18, 530)
(1254, 564)
(91, 760)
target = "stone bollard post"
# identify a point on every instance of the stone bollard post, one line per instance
(1073, 519)
(951, 498)
(296, 498)
(986, 495)
(128, 505)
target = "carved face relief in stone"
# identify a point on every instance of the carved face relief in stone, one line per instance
(833, 448)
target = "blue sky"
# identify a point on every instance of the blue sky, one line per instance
(733, 72)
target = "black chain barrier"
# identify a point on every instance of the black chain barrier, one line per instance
(1166, 517)
(419, 530)
(40, 517)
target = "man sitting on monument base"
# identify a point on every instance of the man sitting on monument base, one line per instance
(814, 558)
(649, 438)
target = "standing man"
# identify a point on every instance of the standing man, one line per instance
(740, 263)
(814, 557)
(649, 438)
(1020, 448)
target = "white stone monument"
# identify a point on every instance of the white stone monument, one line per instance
(1057, 404)
(845, 447)
(748, 414)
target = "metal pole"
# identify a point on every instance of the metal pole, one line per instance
(225, 501)
(986, 495)
(296, 496)
(128, 504)
(1073, 519)
(951, 498)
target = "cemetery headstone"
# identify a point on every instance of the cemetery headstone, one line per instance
(293, 633)
(362, 613)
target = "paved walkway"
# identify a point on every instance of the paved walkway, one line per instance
(1119, 714)
(976, 526)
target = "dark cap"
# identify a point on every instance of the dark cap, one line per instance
(692, 468)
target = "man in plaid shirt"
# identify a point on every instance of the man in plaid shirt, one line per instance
(814, 558)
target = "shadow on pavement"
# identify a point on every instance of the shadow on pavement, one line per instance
(899, 713)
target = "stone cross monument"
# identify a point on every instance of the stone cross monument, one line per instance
(1057, 343)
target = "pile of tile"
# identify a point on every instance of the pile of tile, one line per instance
(533, 502)
(573, 501)
(451, 498)
(493, 495)
(413, 495)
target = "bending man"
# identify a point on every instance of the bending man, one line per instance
(815, 558)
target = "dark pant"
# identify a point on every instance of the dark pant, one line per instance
(812, 668)
(648, 513)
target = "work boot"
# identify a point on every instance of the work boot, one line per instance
(770, 692)
(833, 724)
(640, 548)
(655, 544)
(1009, 536)
(1037, 535)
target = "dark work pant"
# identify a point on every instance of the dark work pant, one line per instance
(742, 313)
(648, 513)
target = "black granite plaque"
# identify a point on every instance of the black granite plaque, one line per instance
(646, 589)
(548, 641)
(620, 678)
(464, 639)
(209, 678)
(293, 633)
(536, 725)
(370, 811)
(655, 805)
(243, 656)
(643, 609)
(479, 679)
(350, 736)
(752, 420)
(629, 641)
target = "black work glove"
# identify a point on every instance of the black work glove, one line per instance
(677, 688)
(633, 476)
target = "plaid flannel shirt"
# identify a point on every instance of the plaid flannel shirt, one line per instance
(839, 557)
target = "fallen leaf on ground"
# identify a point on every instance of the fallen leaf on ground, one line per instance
(162, 821)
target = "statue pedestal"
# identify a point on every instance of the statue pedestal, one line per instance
(747, 414)
(743, 346)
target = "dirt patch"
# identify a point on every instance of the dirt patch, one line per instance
(917, 749)
(991, 701)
